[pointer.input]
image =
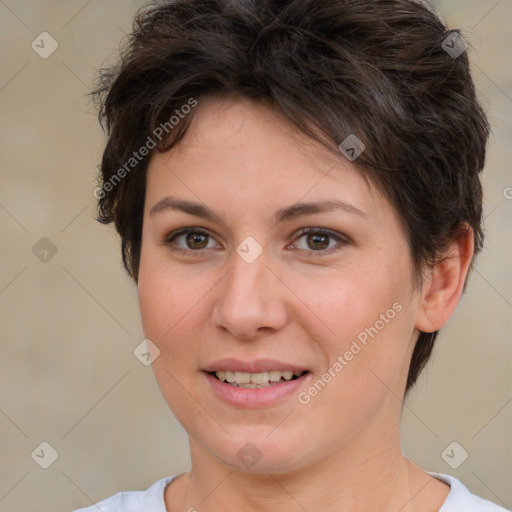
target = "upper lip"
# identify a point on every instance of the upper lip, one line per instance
(253, 366)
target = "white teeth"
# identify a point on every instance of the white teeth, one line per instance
(260, 378)
(257, 378)
(242, 378)
(274, 375)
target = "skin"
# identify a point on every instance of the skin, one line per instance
(341, 451)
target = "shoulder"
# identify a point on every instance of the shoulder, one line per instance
(150, 500)
(460, 498)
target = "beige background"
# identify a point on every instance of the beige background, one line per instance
(69, 326)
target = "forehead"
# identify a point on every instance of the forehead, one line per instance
(237, 145)
(245, 125)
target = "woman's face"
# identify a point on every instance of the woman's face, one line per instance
(337, 302)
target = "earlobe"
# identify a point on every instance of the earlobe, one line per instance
(442, 289)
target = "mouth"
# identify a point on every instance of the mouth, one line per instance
(256, 380)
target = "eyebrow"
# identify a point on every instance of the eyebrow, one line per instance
(282, 215)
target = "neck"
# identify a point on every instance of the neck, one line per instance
(351, 479)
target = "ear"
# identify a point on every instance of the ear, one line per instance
(441, 290)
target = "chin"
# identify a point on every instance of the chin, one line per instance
(260, 450)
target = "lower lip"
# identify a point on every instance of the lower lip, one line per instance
(254, 397)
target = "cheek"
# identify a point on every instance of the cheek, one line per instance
(162, 292)
(372, 320)
(162, 300)
(365, 363)
(354, 300)
(367, 358)
(172, 303)
(167, 311)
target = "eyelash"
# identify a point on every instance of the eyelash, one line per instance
(306, 231)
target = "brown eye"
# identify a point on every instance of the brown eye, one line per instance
(190, 240)
(318, 241)
(196, 240)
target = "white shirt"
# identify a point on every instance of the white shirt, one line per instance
(459, 499)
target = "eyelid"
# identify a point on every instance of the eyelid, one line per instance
(306, 231)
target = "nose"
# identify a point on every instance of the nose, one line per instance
(250, 300)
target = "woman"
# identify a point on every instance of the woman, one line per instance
(296, 186)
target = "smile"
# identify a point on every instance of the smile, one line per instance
(255, 380)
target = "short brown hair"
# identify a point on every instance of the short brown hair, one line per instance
(377, 69)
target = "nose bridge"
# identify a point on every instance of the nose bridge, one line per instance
(248, 299)
(248, 279)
